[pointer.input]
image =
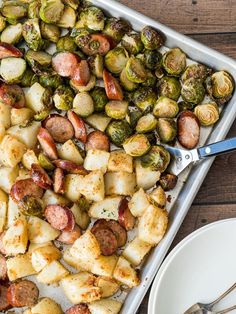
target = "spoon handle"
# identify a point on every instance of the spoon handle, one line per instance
(227, 310)
(222, 297)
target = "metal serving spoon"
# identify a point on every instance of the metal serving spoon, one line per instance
(182, 158)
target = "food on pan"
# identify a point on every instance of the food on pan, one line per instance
(83, 172)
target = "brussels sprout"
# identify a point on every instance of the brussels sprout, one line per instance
(45, 162)
(132, 118)
(193, 91)
(136, 145)
(92, 18)
(30, 206)
(68, 18)
(116, 109)
(14, 11)
(82, 88)
(126, 83)
(63, 98)
(12, 70)
(32, 34)
(50, 80)
(174, 61)
(83, 104)
(207, 114)
(196, 71)
(158, 158)
(12, 34)
(50, 32)
(43, 114)
(38, 59)
(146, 124)
(168, 181)
(132, 43)
(159, 72)
(51, 11)
(72, 3)
(165, 108)
(29, 78)
(222, 84)
(66, 43)
(118, 132)
(99, 98)
(151, 38)
(150, 80)
(116, 59)
(144, 98)
(166, 129)
(152, 59)
(33, 9)
(169, 87)
(135, 70)
(152, 138)
(183, 105)
(116, 28)
(2, 23)
(96, 65)
(82, 36)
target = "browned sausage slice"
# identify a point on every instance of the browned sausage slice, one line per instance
(98, 44)
(188, 129)
(78, 309)
(112, 87)
(40, 176)
(126, 219)
(23, 293)
(4, 304)
(59, 180)
(46, 141)
(12, 95)
(69, 237)
(59, 127)
(60, 217)
(2, 248)
(3, 267)
(25, 187)
(65, 63)
(81, 75)
(70, 167)
(78, 125)
(8, 50)
(107, 240)
(98, 140)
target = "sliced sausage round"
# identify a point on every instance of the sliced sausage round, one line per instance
(78, 309)
(23, 293)
(60, 217)
(2, 248)
(98, 140)
(59, 181)
(188, 129)
(126, 219)
(81, 75)
(48, 145)
(59, 127)
(107, 240)
(98, 44)
(70, 167)
(12, 95)
(25, 187)
(3, 268)
(8, 50)
(112, 87)
(64, 63)
(40, 176)
(69, 237)
(78, 125)
(4, 303)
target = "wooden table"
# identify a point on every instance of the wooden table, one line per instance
(212, 22)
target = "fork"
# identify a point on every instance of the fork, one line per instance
(205, 308)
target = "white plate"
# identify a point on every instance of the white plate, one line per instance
(199, 268)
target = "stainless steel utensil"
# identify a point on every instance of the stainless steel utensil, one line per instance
(203, 311)
(182, 158)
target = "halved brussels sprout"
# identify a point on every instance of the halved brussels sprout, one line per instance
(29, 78)
(32, 34)
(116, 109)
(151, 38)
(12, 70)
(174, 61)
(83, 104)
(222, 84)
(14, 10)
(68, 18)
(196, 71)
(169, 87)
(152, 59)
(92, 18)
(99, 98)
(50, 80)
(167, 129)
(158, 158)
(82, 36)
(168, 181)
(136, 145)
(2, 23)
(118, 132)
(159, 72)
(33, 9)
(183, 105)
(150, 80)
(193, 91)
(207, 113)
(66, 43)
(165, 108)
(146, 124)
(126, 83)
(132, 117)
(144, 98)
(116, 59)
(116, 28)
(38, 60)
(40, 116)
(50, 32)
(132, 43)
(72, 3)
(63, 98)
(30, 206)
(96, 65)
(51, 11)
(12, 34)
(135, 70)
(45, 162)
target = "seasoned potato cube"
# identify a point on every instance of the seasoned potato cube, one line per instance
(8, 177)
(81, 288)
(146, 178)
(138, 203)
(92, 186)
(96, 160)
(29, 158)
(72, 183)
(72, 261)
(5, 115)
(158, 196)
(23, 174)
(3, 209)
(35, 246)
(52, 273)
(46, 306)
(69, 151)
(2, 131)
(136, 251)
(107, 285)
(125, 273)
(81, 216)
(121, 183)
(11, 151)
(104, 265)
(34, 97)
(28, 311)
(44, 255)
(51, 198)
(107, 208)
(40, 231)
(15, 239)
(120, 161)
(105, 306)
(152, 225)
(13, 213)
(21, 115)
(19, 266)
